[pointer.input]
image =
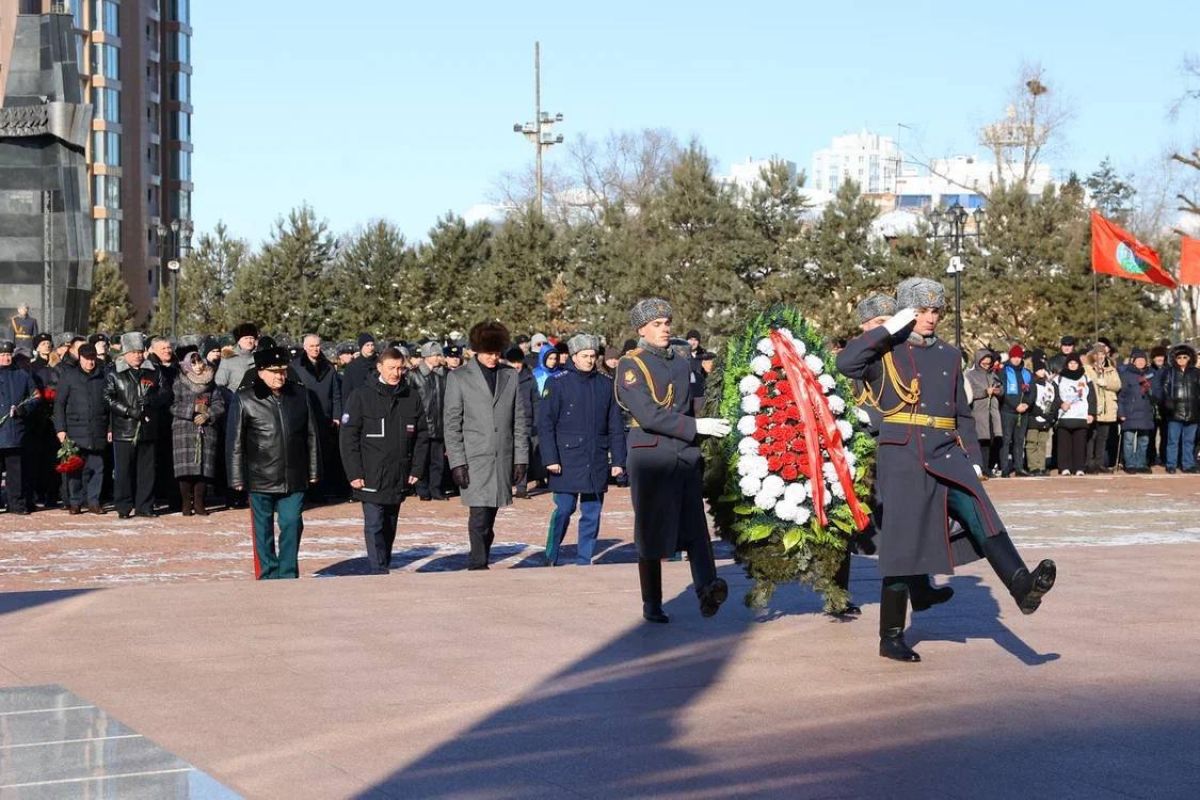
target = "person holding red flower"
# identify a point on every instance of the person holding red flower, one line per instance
(17, 399)
(81, 417)
(136, 402)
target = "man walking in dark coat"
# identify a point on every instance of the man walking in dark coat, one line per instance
(18, 398)
(81, 415)
(275, 454)
(136, 404)
(486, 442)
(429, 380)
(582, 436)
(928, 465)
(324, 386)
(1016, 384)
(384, 444)
(665, 467)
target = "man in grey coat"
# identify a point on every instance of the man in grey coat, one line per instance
(486, 437)
(234, 368)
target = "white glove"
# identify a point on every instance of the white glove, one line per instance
(978, 470)
(901, 320)
(713, 426)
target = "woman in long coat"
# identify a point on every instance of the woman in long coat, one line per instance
(196, 417)
(985, 405)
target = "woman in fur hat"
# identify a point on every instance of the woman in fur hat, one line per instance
(196, 416)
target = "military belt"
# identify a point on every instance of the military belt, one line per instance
(922, 420)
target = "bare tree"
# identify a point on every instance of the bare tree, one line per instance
(1032, 124)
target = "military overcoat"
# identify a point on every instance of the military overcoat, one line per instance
(663, 458)
(916, 464)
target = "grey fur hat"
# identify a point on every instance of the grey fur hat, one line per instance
(583, 341)
(648, 310)
(431, 349)
(132, 341)
(875, 305)
(920, 293)
(65, 338)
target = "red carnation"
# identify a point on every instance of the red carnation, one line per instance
(790, 472)
(71, 464)
(49, 393)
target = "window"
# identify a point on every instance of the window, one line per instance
(106, 148)
(180, 127)
(179, 47)
(108, 235)
(106, 16)
(106, 104)
(181, 87)
(180, 206)
(106, 61)
(180, 11)
(183, 165)
(106, 191)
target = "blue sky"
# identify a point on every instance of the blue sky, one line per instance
(404, 111)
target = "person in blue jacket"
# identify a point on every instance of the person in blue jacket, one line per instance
(547, 365)
(582, 436)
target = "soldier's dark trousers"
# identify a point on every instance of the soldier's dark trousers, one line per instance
(1012, 442)
(700, 559)
(481, 529)
(264, 508)
(379, 531)
(133, 477)
(10, 462)
(431, 484)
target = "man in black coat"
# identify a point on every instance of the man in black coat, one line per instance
(385, 444)
(928, 464)
(324, 386)
(665, 467)
(429, 379)
(136, 403)
(18, 398)
(1180, 388)
(81, 415)
(362, 369)
(275, 454)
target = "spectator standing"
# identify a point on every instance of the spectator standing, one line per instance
(486, 440)
(234, 367)
(42, 483)
(1181, 401)
(527, 391)
(1135, 410)
(1056, 362)
(362, 369)
(547, 365)
(1016, 382)
(1157, 446)
(983, 389)
(1043, 411)
(18, 398)
(324, 386)
(1102, 374)
(81, 415)
(582, 436)
(384, 443)
(454, 357)
(275, 454)
(162, 356)
(197, 414)
(1077, 412)
(136, 402)
(429, 379)
(533, 351)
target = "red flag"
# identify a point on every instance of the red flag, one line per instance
(1189, 261)
(1115, 251)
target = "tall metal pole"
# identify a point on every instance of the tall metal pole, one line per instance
(537, 116)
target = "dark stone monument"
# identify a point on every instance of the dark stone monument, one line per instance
(46, 246)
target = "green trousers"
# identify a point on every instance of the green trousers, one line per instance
(270, 563)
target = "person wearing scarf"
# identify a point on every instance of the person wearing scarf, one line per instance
(1135, 411)
(197, 416)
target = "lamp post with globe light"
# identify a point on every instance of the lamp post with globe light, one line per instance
(180, 246)
(950, 225)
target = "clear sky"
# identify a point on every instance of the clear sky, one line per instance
(404, 110)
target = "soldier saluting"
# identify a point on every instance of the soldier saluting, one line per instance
(928, 464)
(653, 383)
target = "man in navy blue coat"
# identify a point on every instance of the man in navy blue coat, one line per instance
(18, 398)
(580, 427)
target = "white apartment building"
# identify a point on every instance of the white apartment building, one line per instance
(868, 159)
(746, 176)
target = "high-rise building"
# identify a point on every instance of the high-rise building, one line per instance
(134, 62)
(868, 159)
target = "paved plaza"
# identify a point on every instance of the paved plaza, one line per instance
(537, 683)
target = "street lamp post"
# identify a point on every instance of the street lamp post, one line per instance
(181, 245)
(538, 132)
(955, 219)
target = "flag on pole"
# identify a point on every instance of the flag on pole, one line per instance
(1189, 261)
(1115, 251)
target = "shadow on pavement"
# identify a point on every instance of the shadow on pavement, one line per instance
(20, 601)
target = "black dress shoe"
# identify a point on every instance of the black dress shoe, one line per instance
(712, 596)
(124, 514)
(424, 499)
(848, 612)
(653, 612)
(895, 648)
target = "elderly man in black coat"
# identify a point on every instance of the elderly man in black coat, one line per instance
(324, 385)
(81, 415)
(384, 442)
(137, 403)
(429, 380)
(928, 464)
(653, 384)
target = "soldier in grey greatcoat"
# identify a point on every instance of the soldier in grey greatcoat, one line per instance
(486, 440)
(653, 383)
(928, 464)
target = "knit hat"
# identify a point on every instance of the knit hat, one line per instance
(1037, 362)
(693, 334)
(364, 338)
(132, 342)
(920, 293)
(537, 340)
(1136, 353)
(1016, 351)
(875, 305)
(648, 310)
(583, 341)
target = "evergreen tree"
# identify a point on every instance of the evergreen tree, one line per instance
(1112, 196)
(605, 262)
(206, 278)
(445, 291)
(370, 284)
(777, 207)
(526, 264)
(111, 310)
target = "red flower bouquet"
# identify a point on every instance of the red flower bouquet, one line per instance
(69, 460)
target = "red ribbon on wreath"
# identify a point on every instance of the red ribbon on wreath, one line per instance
(816, 420)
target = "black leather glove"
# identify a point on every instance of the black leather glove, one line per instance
(462, 478)
(518, 475)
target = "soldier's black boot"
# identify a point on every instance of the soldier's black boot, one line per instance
(1026, 587)
(712, 595)
(893, 612)
(650, 576)
(924, 595)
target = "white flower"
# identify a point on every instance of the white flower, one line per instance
(749, 385)
(753, 465)
(836, 404)
(850, 461)
(747, 425)
(787, 334)
(750, 485)
(802, 515)
(748, 446)
(826, 498)
(766, 346)
(751, 404)
(828, 383)
(765, 501)
(801, 349)
(760, 365)
(772, 485)
(863, 416)
(837, 491)
(786, 511)
(829, 473)
(795, 493)
(814, 364)
(845, 429)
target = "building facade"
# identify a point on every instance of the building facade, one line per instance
(870, 160)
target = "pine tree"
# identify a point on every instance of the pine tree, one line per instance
(1112, 196)
(445, 289)
(526, 261)
(371, 284)
(206, 278)
(111, 310)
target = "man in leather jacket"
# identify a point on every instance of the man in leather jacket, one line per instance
(275, 455)
(1180, 388)
(136, 402)
(429, 379)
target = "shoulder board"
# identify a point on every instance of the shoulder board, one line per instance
(637, 351)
